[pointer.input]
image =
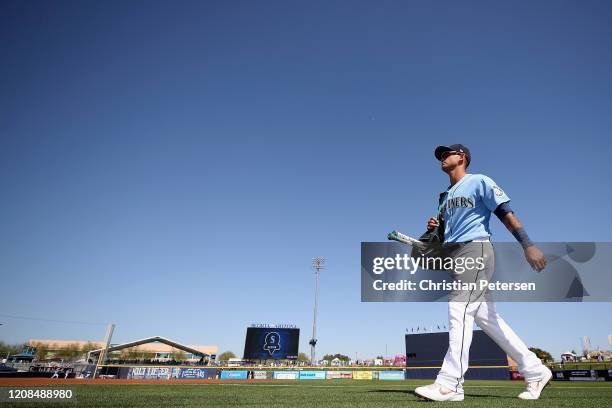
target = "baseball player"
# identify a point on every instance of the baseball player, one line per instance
(463, 223)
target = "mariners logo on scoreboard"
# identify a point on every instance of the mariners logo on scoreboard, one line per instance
(272, 342)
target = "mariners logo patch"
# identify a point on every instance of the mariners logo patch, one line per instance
(498, 191)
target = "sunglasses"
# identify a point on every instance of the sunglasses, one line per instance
(444, 155)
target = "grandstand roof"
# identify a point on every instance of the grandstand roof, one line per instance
(156, 339)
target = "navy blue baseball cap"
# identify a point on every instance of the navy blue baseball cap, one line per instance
(454, 148)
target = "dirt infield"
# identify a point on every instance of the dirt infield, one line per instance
(40, 382)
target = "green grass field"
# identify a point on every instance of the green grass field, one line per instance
(324, 393)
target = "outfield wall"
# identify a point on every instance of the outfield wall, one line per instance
(582, 375)
(316, 373)
(290, 373)
(476, 373)
(243, 373)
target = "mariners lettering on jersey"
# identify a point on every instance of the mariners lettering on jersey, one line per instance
(463, 202)
(466, 207)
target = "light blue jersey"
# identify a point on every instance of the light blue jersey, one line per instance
(467, 208)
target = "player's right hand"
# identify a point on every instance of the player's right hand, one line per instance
(432, 223)
(535, 258)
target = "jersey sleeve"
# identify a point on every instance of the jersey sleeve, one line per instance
(492, 194)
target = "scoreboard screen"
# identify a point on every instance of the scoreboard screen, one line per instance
(271, 343)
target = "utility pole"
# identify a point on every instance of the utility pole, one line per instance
(318, 264)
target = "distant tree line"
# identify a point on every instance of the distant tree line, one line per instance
(542, 354)
(341, 357)
(9, 349)
(70, 351)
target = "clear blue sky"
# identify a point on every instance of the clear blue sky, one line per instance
(172, 167)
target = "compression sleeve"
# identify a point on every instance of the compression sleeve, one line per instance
(502, 210)
(522, 237)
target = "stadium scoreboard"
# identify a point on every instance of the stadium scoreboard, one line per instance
(271, 343)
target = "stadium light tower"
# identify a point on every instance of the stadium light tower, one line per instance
(318, 264)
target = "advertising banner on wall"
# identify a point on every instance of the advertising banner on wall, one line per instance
(362, 375)
(391, 375)
(582, 375)
(234, 375)
(150, 373)
(312, 375)
(262, 375)
(286, 375)
(346, 374)
(196, 373)
(334, 375)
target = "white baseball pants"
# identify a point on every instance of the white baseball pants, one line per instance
(467, 307)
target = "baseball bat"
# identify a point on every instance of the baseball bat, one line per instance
(405, 239)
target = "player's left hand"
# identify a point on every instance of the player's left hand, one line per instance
(535, 258)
